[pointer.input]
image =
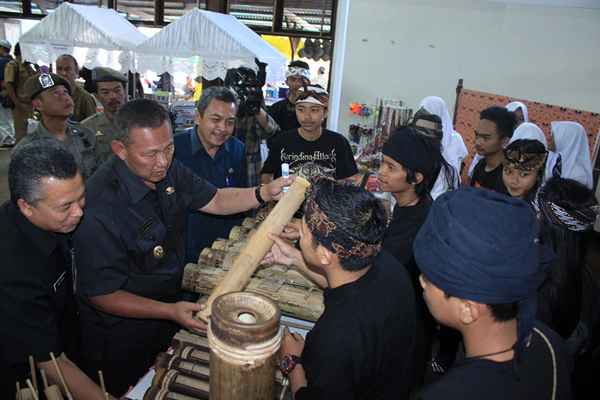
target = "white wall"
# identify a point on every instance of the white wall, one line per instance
(410, 49)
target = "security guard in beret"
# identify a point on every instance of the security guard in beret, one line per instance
(50, 95)
(110, 88)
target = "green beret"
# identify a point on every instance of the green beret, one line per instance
(40, 82)
(102, 74)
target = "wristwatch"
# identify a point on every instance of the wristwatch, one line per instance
(288, 363)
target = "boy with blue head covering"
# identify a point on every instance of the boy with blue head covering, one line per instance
(481, 265)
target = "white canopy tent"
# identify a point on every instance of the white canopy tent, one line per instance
(94, 36)
(220, 40)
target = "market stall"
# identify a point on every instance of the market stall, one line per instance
(94, 36)
(216, 40)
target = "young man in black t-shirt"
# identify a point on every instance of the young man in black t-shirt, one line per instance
(361, 347)
(492, 134)
(310, 149)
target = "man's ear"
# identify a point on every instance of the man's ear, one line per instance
(119, 149)
(469, 311)
(326, 256)
(418, 179)
(25, 208)
(197, 117)
(96, 96)
(37, 104)
(504, 141)
(325, 113)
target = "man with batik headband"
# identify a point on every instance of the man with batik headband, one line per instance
(50, 95)
(361, 346)
(311, 149)
(482, 264)
(524, 162)
(297, 75)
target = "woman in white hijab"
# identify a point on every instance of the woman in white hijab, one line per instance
(571, 160)
(520, 110)
(453, 146)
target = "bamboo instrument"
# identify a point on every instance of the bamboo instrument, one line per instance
(62, 378)
(33, 377)
(52, 392)
(244, 336)
(258, 246)
(298, 297)
(154, 393)
(173, 381)
(33, 391)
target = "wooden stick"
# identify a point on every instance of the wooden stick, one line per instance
(33, 377)
(18, 396)
(62, 378)
(44, 379)
(104, 392)
(250, 257)
(33, 391)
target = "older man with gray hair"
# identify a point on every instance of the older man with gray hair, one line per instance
(37, 273)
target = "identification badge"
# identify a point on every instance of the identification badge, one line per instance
(59, 281)
(159, 253)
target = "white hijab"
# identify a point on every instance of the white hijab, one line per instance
(512, 106)
(453, 146)
(572, 144)
(529, 131)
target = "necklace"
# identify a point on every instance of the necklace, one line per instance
(392, 214)
(491, 354)
(416, 197)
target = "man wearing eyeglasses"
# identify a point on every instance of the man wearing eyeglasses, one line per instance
(109, 87)
(132, 244)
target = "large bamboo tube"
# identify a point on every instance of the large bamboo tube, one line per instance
(244, 336)
(154, 393)
(173, 381)
(258, 246)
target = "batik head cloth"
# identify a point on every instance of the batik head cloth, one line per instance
(329, 235)
(520, 156)
(313, 94)
(575, 220)
(297, 71)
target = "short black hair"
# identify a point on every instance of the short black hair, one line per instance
(35, 161)
(140, 113)
(505, 120)
(71, 58)
(299, 64)
(17, 50)
(220, 93)
(354, 211)
(501, 312)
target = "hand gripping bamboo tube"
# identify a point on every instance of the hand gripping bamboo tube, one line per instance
(244, 336)
(250, 257)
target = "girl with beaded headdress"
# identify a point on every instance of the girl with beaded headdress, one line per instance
(524, 162)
